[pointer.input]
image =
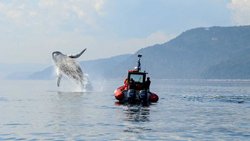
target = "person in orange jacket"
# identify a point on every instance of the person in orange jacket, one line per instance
(126, 84)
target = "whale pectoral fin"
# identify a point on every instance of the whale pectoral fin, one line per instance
(77, 55)
(59, 80)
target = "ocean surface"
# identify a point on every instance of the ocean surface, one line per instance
(187, 110)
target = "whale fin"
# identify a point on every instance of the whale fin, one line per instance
(78, 55)
(59, 80)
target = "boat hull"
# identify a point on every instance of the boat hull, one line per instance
(134, 96)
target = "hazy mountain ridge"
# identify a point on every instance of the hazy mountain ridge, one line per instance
(215, 52)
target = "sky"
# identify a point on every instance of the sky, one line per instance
(30, 30)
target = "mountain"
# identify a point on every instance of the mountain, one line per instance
(103, 67)
(198, 53)
(191, 54)
(236, 67)
(47, 73)
(19, 71)
(214, 52)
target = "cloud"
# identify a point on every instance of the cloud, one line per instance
(52, 12)
(99, 7)
(240, 10)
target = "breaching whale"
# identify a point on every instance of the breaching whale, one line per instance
(66, 65)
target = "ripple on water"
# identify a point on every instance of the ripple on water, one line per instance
(240, 99)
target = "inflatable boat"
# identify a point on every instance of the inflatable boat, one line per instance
(136, 88)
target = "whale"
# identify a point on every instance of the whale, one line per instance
(66, 65)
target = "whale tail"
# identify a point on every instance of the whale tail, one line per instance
(78, 55)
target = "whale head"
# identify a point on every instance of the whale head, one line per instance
(57, 55)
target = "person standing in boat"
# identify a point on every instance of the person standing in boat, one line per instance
(126, 84)
(147, 83)
(132, 84)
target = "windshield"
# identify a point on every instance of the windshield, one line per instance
(137, 78)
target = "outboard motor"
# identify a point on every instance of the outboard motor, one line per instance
(143, 95)
(131, 95)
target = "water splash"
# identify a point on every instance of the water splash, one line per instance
(72, 85)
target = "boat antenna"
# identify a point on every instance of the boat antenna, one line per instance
(139, 62)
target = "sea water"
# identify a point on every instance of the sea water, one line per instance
(186, 110)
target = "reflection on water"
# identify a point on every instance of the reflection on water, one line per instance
(137, 113)
(136, 122)
(134, 115)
